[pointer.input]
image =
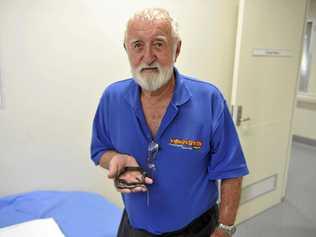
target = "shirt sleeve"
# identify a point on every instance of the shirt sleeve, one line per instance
(227, 159)
(101, 141)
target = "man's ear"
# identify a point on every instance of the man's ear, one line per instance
(124, 45)
(178, 50)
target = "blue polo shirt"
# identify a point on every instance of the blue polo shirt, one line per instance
(198, 145)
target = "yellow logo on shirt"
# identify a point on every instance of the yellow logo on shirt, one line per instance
(186, 143)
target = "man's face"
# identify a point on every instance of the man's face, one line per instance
(151, 53)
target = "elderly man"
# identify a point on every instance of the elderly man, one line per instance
(166, 139)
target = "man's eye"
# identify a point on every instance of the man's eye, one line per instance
(137, 45)
(158, 44)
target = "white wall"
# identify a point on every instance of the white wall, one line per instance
(304, 120)
(305, 114)
(57, 56)
(312, 79)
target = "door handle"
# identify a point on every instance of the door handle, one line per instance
(237, 115)
(242, 120)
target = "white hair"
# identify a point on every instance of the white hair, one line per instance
(154, 14)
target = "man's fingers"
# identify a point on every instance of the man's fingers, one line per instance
(125, 190)
(148, 180)
(139, 189)
(138, 178)
(113, 170)
(133, 190)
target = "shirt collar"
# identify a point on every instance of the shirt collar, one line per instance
(181, 93)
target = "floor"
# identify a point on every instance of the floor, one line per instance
(296, 216)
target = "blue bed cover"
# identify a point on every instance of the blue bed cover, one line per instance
(78, 214)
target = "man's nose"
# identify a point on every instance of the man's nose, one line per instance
(149, 56)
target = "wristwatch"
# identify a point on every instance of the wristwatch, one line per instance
(229, 230)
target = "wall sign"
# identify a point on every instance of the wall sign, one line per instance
(272, 52)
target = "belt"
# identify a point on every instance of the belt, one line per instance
(197, 224)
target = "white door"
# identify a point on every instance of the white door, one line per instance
(268, 52)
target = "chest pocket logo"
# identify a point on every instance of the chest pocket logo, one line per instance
(186, 143)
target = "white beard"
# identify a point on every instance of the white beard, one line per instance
(152, 80)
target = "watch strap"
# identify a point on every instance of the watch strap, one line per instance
(229, 230)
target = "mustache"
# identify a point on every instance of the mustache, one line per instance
(143, 67)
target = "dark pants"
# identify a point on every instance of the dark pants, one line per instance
(202, 226)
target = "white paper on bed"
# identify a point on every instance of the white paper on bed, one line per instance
(36, 228)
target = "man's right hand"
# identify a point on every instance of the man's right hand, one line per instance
(118, 163)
